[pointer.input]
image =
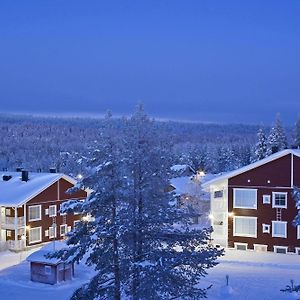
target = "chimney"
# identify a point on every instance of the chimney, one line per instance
(52, 170)
(6, 177)
(25, 176)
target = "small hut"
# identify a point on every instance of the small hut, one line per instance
(49, 270)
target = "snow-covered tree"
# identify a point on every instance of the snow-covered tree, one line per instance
(296, 143)
(296, 196)
(260, 150)
(277, 140)
(138, 241)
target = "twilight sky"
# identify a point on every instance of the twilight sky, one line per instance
(211, 61)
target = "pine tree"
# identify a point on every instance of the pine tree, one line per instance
(100, 235)
(167, 261)
(277, 139)
(137, 240)
(260, 150)
(297, 134)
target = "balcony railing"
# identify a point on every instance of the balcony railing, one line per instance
(9, 222)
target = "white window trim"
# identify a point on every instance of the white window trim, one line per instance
(298, 232)
(273, 200)
(296, 250)
(36, 241)
(269, 228)
(260, 245)
(55, 210)
(245, 235)
(277, 235)
(36, 219)
(66, 229)
(281, 247)
(246, 207)
(240, 244)
(266, 199)
(60, 213)
(55, 232)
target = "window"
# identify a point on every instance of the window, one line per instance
(34, 212)
(266, 228)
(279, 229)
(218, 194)
(52, 231)
(8, 233)
(260, 248)
(52, 211)
(297, 250)
(279, 200)
(266, 199)
(298, 232)
(280, 249)
(241, 246)
(245, 198)
(63, 229)
(35, 235)
(245, 226)
(48, 270)
(7, 212)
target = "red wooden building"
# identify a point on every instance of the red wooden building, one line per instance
(252, 207)
(29, 208)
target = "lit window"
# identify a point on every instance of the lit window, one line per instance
(245, 198)
(279, 229)
(34, 212)
(245, 226)
(35, 235)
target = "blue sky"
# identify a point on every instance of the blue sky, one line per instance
(211, 61)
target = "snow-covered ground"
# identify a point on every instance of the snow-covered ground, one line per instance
(258, 276)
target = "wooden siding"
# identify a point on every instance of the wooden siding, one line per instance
(274, 176)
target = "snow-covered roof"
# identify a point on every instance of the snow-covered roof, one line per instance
(40, 255)
(254, 165)
(191, 185)
(15, 192)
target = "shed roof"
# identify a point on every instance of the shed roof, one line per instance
(15, 192)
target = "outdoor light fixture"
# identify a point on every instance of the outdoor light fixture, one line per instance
(230, 215)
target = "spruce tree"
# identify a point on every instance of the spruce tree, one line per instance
(277, 139)
(260, 150)
(297, 134)
(137, 240)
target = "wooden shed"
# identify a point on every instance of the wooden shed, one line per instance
(49, 270)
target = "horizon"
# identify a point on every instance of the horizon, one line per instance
(208, 61)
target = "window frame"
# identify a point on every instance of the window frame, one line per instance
(236, 244)
(265, 247)
(268, 197)
(54, 205)
(66, 229)
(281, 247)
(273, 199)
(244, 207)
(298, 232)
(29, 235)
(268, 226)
(276, 235)
(55, 232)
(40, 212)
(245, 235)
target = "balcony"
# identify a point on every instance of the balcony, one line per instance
(9, 222)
